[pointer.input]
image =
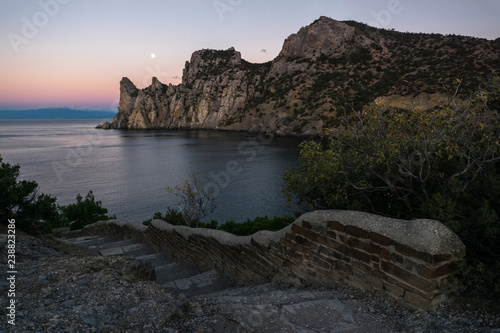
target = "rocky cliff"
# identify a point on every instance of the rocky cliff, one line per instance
(322, 70)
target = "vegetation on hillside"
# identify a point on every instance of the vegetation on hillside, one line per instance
(393, 63)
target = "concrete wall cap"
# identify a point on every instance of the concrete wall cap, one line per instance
(423, 235)
(266, 237)
(120, 223)
(222, 237)
(132, 225)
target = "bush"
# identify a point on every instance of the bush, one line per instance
(39, 213)
(252, 226)
(172, 216)
(84, 212)
(195, 202)
(443, 165)
(34, 213)
(247, 228)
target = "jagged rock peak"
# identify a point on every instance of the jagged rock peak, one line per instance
(156, 85)
(323, 36)
(128, 93)
(128, 86)
(207, 59)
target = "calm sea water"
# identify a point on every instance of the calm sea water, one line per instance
(129, 171)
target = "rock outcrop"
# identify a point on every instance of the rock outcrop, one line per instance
(215, 85)
(321, 70)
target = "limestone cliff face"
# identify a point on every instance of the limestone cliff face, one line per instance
(323, 38)
(321, 70)
(215, 85)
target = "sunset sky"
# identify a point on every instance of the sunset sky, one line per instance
(74, 52)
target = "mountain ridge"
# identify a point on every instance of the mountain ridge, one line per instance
(322, 70)
(56, 113)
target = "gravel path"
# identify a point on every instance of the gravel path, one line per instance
(74, 291)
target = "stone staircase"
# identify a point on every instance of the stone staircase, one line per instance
(267, 308)
(178, 276)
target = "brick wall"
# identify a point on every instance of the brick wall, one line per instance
(407, 261)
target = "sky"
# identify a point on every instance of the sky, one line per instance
(75, 52)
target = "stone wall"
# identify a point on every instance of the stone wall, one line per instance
(408, 261)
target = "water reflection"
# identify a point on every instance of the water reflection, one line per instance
(130, 170)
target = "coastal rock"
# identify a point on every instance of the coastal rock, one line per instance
(324, 38)
(128, 94)
(322, 69)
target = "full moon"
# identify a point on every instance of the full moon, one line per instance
(153, 55)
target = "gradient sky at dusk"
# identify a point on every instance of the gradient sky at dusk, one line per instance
(74, 52)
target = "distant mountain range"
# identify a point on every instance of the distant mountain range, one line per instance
(55, 113)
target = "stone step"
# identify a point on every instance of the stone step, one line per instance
(203, 283)
(181, 277)
(155, 259)
(114, 251)
(85, 241)
(137, 250)
(172, 271)
(109, 244)
(128, 249)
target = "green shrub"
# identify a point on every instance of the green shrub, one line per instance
(252, 226)
(19, 199)
(443, 164)
(195, 201)
(172, 216)
(39, 213)
(84, 212)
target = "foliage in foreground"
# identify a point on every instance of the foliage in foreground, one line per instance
(84, 212)
(443, 164)
(174, 217)
(196, 202)
(259, 223)
(39, 213)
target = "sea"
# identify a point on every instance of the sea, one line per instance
(129, 170)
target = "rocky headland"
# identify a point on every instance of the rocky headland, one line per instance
(323, 70)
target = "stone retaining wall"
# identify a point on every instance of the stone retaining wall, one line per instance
(407, 261)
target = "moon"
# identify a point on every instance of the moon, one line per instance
(153, 55)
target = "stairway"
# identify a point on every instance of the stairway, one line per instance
(178, 276)
(261, 308)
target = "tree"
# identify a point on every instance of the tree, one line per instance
(442, 164)
(195, 201)
(39, 213)
(84, 212)
(19, 199)
(398, 159)
(15, 195)
(42, 215)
